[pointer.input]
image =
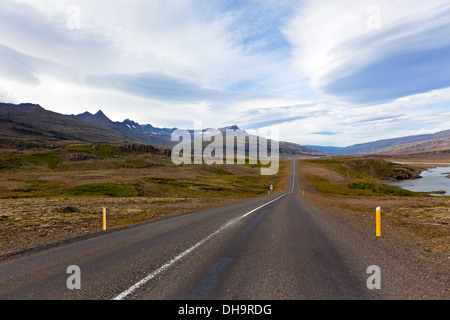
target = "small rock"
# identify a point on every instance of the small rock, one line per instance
(67, 209)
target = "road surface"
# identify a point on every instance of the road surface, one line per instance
(276, 247)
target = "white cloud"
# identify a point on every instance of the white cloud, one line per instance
(183, 39)
(344, 58)
(323, 123)
(190, 42)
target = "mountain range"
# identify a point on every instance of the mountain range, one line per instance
(416, 144)
(34, 124)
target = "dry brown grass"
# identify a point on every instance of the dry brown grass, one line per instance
(27, 223)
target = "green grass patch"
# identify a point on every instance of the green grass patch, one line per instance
(216, 185)
(219, 171)
(358, 188)
(366, 168)
(134, 164)
(381, 189)
(109, 189)
(10, 162)
(171, 182)
(335, 164)
(37, 186)
(50, 159)
(194, 181)
(40, 160)
(100, 150)
(367, 175)
(160, 186)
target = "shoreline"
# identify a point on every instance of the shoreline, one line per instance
(425, 167)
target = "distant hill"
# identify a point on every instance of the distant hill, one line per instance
(286, 149)
(291, 150)
(405, 145)
(326, 149)
(433, 145)
(33, 124)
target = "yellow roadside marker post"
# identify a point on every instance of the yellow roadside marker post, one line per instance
(104, 218)
(378, 222)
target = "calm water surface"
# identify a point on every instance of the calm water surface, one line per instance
(434, 179)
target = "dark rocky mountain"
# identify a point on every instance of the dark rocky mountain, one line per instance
(29, 122)
(146, 134)
(98, 119)
(32, 123)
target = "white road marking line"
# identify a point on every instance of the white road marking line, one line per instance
(293, 177)
(185, 253)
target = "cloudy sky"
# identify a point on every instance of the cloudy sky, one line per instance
(321, 72)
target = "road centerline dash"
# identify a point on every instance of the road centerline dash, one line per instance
(185, 253)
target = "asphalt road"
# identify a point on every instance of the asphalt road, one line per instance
(277, 247)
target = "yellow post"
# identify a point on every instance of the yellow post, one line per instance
(104, 218)
(378, 222)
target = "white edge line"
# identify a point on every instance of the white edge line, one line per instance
(186, 252)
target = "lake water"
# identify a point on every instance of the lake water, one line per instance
(434, 179)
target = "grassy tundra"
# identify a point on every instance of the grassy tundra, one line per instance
(51, 194)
